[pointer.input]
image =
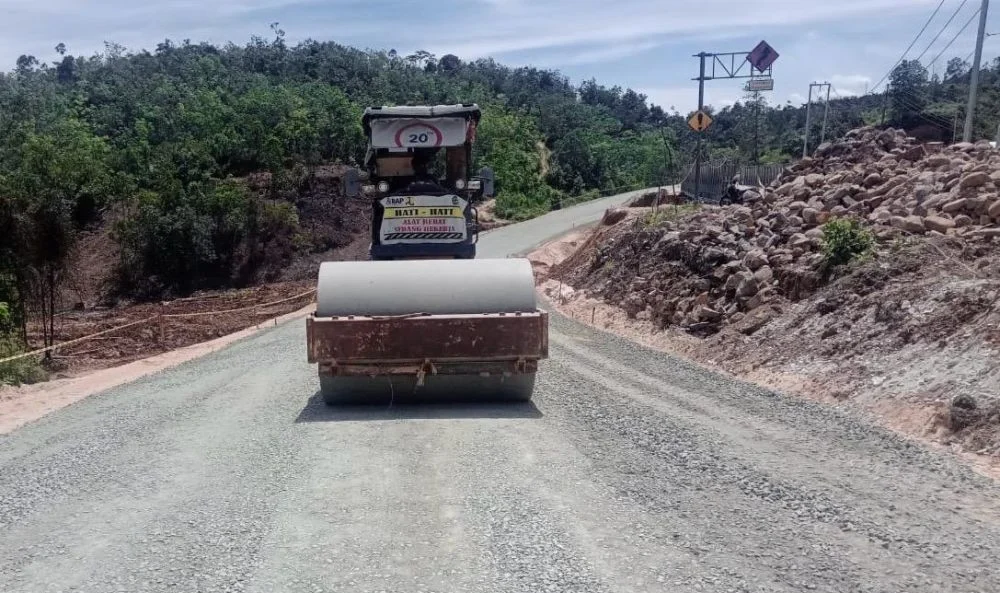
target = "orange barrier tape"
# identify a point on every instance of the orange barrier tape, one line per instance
(149, 320)
(261, 306)
(76, 341)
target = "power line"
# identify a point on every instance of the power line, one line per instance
(918, 111)
(912, 43)
(945, 27)
(962, 30)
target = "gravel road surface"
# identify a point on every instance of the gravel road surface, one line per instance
(631, 472)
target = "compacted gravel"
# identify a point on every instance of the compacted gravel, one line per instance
(630, 471)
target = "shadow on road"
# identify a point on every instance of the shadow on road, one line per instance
(318, 411)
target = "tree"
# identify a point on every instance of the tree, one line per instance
(184, 126)
(957, 69)
(449, 63)
(509, 143)
(61, 177)
(908, 92)
(25, 64)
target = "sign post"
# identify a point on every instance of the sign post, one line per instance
(725, 65)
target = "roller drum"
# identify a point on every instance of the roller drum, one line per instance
(440, 388)
(437, 287)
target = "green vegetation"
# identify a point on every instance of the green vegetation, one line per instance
(15, 372)
(924, 104)
(161, 144)
(845, 240)
(666, 213)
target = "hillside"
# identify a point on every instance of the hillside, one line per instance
(866, 274)
(153, 174)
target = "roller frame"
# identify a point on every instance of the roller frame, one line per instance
(419, 345)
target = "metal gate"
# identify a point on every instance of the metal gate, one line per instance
(715, 178)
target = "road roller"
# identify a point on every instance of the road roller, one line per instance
(423, 318)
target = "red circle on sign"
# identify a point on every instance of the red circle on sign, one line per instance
(437, 133)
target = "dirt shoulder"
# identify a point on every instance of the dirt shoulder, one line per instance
(27, 403)
(204, 316)
(910, 338)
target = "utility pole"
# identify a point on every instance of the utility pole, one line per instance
(970, 112)
(805, 139)
(756, 127)
(954, 130)
(885, 104)
(826, 113)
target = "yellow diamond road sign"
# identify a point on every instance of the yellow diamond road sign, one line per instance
(700, 121)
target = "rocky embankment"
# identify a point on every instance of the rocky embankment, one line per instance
(906, 325)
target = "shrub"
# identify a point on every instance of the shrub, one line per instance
(845, 240)
(667, 213)
(16, 372)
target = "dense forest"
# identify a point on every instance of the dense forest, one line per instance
(158, 145)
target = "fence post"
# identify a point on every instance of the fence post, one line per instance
(161, 321)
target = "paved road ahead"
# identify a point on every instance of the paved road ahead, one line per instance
(630, 472)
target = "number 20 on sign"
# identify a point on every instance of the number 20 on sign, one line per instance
(700, 121)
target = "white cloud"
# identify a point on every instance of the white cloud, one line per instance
(797, 98)
(590, 55)
(487, 27)
(524, 26)
(685, 99)
(849, 85)
(858, 39)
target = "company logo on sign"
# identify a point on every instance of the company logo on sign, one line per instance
(398, 201)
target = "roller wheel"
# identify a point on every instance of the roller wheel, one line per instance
(338, 391)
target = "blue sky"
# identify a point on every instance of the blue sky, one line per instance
(643, 44)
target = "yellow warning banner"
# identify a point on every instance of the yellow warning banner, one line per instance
(423, 212)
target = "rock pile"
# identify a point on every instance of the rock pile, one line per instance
(736, 264)
(893, 181)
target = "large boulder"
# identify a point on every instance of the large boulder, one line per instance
(755, 259)
(747, 286)
(937, 160)
(994, 209)
(814, 180)
(939, 223)
(810, 215)
(799, 240)
(976, 179)
(955, 205)
(913, 224)
(764, 275)
(872, 180)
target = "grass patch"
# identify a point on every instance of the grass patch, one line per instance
(21, 371)
(668, 213)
